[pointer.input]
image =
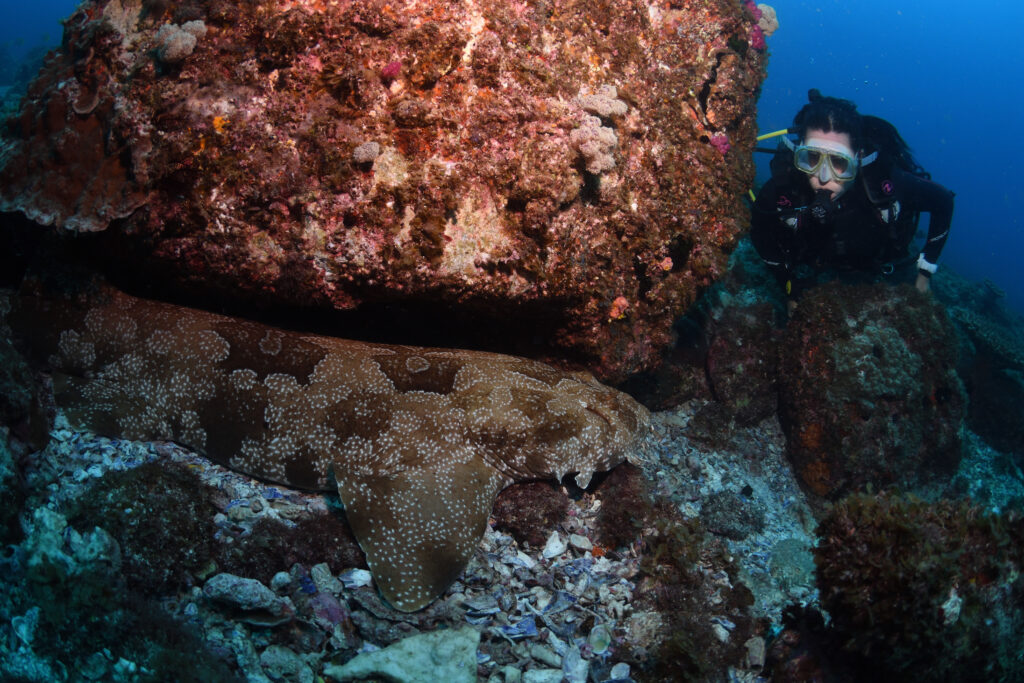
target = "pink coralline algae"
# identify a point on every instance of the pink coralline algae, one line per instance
(757, 38)
(509, 163)
(391, 70)
(720, 141)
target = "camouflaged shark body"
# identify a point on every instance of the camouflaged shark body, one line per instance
(418, 441)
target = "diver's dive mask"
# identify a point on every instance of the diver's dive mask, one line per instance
(827, 159)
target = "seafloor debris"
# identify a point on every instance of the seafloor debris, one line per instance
(439, 655)
(586, 610)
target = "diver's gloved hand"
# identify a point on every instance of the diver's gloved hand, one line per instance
(821, 207)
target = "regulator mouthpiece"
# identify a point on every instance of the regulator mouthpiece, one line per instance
(821, 207)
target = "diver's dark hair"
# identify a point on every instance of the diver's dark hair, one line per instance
(830, 114)
(889, 144)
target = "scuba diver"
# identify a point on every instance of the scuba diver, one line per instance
(845, 199)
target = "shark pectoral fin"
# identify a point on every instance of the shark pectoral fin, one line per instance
(420, 526)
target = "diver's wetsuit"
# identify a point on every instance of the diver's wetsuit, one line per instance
(854, 236)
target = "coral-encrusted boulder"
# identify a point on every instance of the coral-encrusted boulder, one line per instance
(868, 390)
(548, 161)
(899, 576)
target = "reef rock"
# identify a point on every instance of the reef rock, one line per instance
(868, 390)
(11, 495)
(923, 590)
(997, 409)
(548, 165)
(740, 363)
(17, 385)
(991, 361)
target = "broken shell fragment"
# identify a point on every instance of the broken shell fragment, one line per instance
(555, 546)
(600, 639)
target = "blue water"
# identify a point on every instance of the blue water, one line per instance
(29, 28)
(948, 74)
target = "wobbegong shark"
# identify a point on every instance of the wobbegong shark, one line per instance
(417, 441)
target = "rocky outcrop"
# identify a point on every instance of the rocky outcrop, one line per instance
(572, 169)
(991, 361)
(898, 574)
(868, 390)
(741, 366)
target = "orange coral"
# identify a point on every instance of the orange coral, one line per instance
(811, 436)
(618, 309)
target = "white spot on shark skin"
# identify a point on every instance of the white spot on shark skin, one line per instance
(73, 350)
(271, 342)
(416, 364)
(416, 471)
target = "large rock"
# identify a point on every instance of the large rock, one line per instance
(991, 363)
(899, 576)
(564, 167)
(868, 390)
(741, 362)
